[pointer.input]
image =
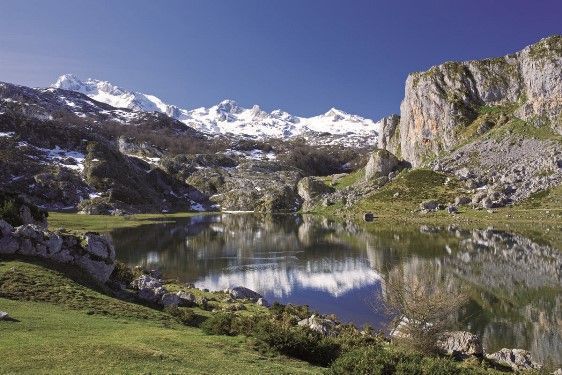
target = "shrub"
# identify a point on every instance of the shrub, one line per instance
(297, 342)
(183, 315)
(381, 360)
(221, 324)
(10, 213)
(10, 205)
(122, 273)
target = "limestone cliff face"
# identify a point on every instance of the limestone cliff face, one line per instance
(389, 136)
(440, 102)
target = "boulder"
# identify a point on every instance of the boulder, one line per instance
(487, 203)
(240, 292)
(326, 327)
(460, 343)
(381, 163)
(170, 299)
(146, 282)
(312, 187)
(5, 228)
(462, 200)
(99, 246)
(517, 359)
(452, 209)
(153, 295)
(186, 299)
(429, 205)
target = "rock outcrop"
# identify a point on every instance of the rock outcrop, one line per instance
(460, 343)
(381, 163)
(444, 100)
(241, 292)
(91, 252)
(389, 135)
(517, 359)
(325, 327)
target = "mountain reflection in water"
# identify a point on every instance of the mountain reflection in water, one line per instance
(514, 284)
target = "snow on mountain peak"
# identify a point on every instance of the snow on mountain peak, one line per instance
(227, 117)
(68, 82)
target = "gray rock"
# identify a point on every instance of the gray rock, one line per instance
(388, 138)
(460, 343)
(487, 203)
(310, 188)
(240, 292)
(462, 200)
(186, 299)
(99, 246)
(5, 228)
(34, 240)
(429, 205)
(170, 299)
(452, 209)
(381, 163)
(4, 315)
(153, 295)
(262, 302)
(517, 359)
(146, 282)
(323, 326)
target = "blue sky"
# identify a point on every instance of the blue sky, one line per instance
(303, 56)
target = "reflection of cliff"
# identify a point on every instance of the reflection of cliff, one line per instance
(516, 287)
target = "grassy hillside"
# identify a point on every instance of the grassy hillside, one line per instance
(65, 327)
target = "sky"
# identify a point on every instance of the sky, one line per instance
(302, 56)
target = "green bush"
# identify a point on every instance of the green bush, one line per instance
(222, 324)
(122, 273)
(10, 204)
(10, 212)
(297, 342)
(380, 360)
(183, 315)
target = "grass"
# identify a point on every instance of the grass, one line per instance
(105, 223)
(64, 326)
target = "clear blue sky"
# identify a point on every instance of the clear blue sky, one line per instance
(303, 56)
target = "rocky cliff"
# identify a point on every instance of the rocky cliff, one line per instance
(442, 102)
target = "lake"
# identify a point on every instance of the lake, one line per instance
(514, 283)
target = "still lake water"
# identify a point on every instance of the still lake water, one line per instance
(514, 283)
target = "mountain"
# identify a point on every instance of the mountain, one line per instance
(228, 118)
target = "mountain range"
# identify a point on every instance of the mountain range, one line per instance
(228, 118)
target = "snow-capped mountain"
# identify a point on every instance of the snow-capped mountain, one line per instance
(227, 117)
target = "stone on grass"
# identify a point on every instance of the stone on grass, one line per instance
(240, 292)
(517, 359)
(186, 299)
(170, 299)
(460, 343)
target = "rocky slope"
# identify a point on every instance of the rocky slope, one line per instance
(440, 103)
(66, 151)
